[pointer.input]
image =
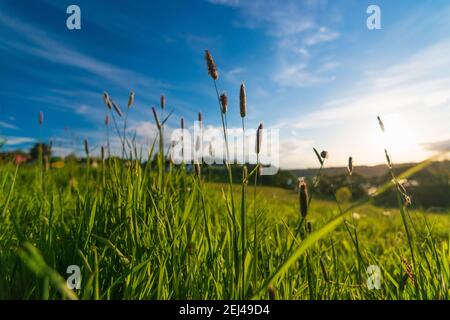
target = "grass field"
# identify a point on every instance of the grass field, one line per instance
(138, 230)
(136, 236)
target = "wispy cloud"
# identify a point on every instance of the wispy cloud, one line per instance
(443, 145)
(40, 44)
(234, 75)
(323, 34)
(14, 141)
(419, 83)
(299, 75)
(7, 125)
(294, 31)
(280, 20)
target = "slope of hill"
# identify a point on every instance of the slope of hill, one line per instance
(364, 171)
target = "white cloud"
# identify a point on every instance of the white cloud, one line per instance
(412, 97)
(322, 35)
(233, 75)
(417, 84)
(280, 20)
(443, 145)
(83, 109)
(293, 26)
(44, 46)
(13, 141)
(7, 125)
(298, 75)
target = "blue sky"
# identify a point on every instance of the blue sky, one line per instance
(311, 69)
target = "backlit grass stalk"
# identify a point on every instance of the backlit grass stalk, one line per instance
(114, 108)
(40, 153)
(160, 159)
(243, 108)
(213, 72)
(258, 144)
(401, 205)
(331, 225)
(129, 105)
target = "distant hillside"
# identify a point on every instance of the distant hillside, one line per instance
(364, 171)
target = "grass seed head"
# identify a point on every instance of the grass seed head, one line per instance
(303, 197)
(242, 101)
(259, 134)
(200, 119)
(350, 165)
(107, 100)
(224, 102)
(131, 99)
(41, 118)
(116, 107)
(408, 270)
(198, 169)
(388, 159)
(106, 120)
(272, 292)
(182, 123)
(163, 102)
(381, 124)
(86, 147)
(211, 65)
(309, 227)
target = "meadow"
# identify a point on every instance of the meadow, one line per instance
(140, 230)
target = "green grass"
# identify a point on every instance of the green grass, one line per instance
(137, 237)
(143, 232)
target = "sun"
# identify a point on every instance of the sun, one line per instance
(401, 138)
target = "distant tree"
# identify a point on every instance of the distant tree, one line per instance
(34, 151)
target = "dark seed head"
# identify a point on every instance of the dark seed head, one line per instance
(272, 292)
(198, 169)
(86, 147)
(211, 65)
(131, 99)
(163, 102)
(200, 119)
(242, 101)
(116, 107)
(388, 159)
(380, 123)
(224, 102)
(259, 133)
(107, 100)
(350, 166)
(303, 197)
(309, 226)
